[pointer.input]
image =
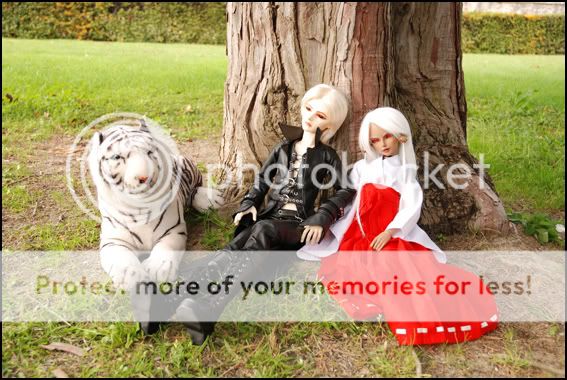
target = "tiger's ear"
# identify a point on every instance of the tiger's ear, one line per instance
(144, 126)
(97, 139)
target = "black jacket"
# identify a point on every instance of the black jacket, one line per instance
(273, 169)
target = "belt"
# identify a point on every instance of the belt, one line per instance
(286, 214)
(284, 198)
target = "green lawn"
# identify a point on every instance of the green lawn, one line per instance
(516, 118)
(76, 82)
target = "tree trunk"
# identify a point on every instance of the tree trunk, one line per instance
(403, 55)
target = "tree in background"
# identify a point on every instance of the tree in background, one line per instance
(404, 55)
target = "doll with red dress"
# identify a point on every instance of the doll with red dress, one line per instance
(378, 245)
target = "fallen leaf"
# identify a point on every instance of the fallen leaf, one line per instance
(59, 373)
(64, 347)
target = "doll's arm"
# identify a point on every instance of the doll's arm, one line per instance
(328, 212)
(411, 200)
(256, 194)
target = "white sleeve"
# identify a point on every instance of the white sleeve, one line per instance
(354, 175)
(411, 199)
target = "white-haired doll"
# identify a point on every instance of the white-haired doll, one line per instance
(383, 217)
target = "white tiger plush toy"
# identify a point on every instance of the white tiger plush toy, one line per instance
(143, 188)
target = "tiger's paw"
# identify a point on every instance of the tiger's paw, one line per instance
(161, 269)
(206, 198)
(127, 277)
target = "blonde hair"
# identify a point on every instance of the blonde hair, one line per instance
(338, 106)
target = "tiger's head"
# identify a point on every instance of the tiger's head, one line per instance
(126, 162)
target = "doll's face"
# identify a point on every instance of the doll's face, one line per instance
(383, 142)
(315, 114)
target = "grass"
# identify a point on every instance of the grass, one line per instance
(218, 231)
(269, 349)
(512, 357)
(17, 199)
(66, 235)
(57, 87)
(516, 118)
(394, 363)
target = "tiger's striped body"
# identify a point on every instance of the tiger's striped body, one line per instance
(143, 190)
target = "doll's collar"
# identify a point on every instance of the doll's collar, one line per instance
(393, 160)
(292, 133)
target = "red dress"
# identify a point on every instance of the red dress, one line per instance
(422, 300)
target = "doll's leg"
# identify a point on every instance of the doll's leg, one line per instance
(202, 271)
(197, 269)
(265, 235)
(244, 266)
(273, 234)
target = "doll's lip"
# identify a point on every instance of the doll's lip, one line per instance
(308, 124)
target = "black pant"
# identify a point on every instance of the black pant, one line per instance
(277, 233)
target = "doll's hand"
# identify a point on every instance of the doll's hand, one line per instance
(312, 234)
(239, 216)
(381, 240)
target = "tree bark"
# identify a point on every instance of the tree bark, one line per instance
(403, 55)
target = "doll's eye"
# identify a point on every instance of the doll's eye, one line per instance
(322, 116)
(387, 136)
(116, 157)
(375, 140)
(308, 108)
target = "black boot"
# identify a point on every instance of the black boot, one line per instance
(141, 305)
(150, 309)
(153, 308)
(199, 315)
(198, 330)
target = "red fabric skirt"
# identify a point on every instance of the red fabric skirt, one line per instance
(422, 300)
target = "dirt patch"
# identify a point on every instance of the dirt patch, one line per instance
(514, 349)
(204, 151)
(517, 241)
(47, 167)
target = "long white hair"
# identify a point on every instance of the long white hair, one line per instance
(393, 121)
(338, 106)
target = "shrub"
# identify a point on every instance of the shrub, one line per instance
(513, 34)
(206, 23)
(141, 22)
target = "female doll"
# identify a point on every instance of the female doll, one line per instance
(381, 246)
(285, 223)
